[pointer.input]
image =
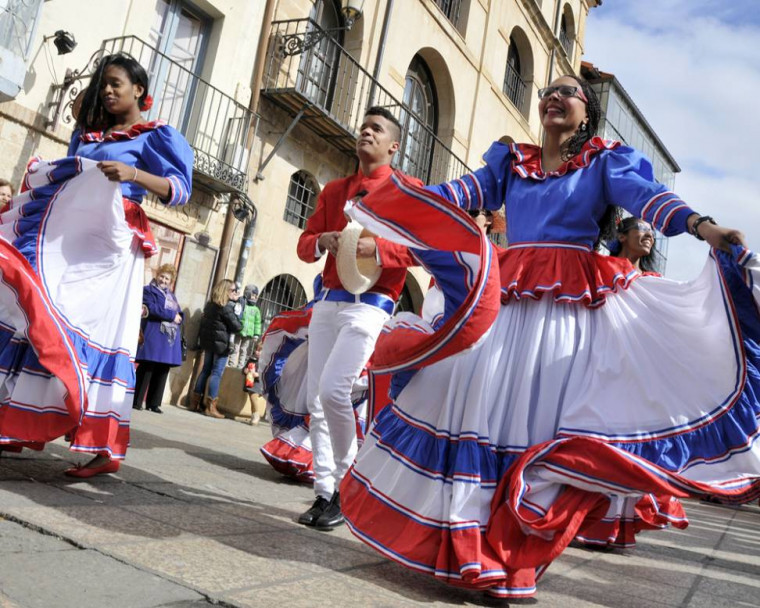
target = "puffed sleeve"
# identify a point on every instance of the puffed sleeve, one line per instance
(74, 143)
(167, 154)
(629, 182)
(483, 188)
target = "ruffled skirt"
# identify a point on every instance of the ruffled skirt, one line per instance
(70, 296)
(284, 363)
(582, 407)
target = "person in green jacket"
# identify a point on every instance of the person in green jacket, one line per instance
(245, 344)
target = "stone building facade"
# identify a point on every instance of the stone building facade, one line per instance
(270, 94)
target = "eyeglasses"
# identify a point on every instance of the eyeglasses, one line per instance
(564, 91)
(640, 226)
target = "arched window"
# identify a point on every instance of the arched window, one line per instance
(302, 196)
(566, 33)
(283, 292)
(419, 120)
(514, 85)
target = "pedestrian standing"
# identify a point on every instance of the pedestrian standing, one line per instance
(219, 324)
(6, 193)
(161, 348)
(248, 339)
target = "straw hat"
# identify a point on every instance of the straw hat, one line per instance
(356, 274)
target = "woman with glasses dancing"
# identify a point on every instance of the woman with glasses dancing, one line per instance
(501, 443)
(72, 256)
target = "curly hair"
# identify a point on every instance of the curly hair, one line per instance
(167, 269)
(572, 147)
(92, 113)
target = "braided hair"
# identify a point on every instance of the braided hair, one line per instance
(93, 114)
(572, 147)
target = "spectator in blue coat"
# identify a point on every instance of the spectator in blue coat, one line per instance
(161, 347)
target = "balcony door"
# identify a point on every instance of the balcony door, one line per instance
(419, 119)
(179, 36)
(319, 64)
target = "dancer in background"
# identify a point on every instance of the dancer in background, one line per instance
(635, 241)
(73, 249)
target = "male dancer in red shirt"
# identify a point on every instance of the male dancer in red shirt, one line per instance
(344, 326)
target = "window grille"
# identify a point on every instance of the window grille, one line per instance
(564, 38)
(450, 8)
(420, 123)
(283, 292)
(514, 85)
(302, 196)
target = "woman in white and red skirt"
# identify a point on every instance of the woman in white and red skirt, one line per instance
(561, 386)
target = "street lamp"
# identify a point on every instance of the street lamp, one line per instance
(295, 44)
(351, 10)
(63, 41)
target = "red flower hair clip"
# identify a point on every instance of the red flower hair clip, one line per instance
(147, 104)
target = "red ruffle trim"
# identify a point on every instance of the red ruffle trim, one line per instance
(569, 273)
(651, 513)
(95, 435)
(131, 133)
(289, 460)
(140, 226)
(527, 158)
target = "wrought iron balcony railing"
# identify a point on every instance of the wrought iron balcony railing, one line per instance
(514, 88)
(214, 124)
(329, 91)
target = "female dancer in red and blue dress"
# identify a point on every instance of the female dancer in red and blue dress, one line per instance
(284, 365)
(72, 260)
(501, 442)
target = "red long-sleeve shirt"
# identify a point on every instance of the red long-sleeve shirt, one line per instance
(328, 216)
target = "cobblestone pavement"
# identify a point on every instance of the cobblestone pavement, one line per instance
(196, 517)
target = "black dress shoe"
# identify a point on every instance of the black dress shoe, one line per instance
(156, 410)
(331, 518)
(137, 407)
(312, 515)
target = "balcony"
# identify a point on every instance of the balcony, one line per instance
(314, 79)
(214, 124)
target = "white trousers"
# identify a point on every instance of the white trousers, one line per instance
(342, 336)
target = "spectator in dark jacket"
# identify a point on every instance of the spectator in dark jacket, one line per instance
(161, 348)
(218, 323)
